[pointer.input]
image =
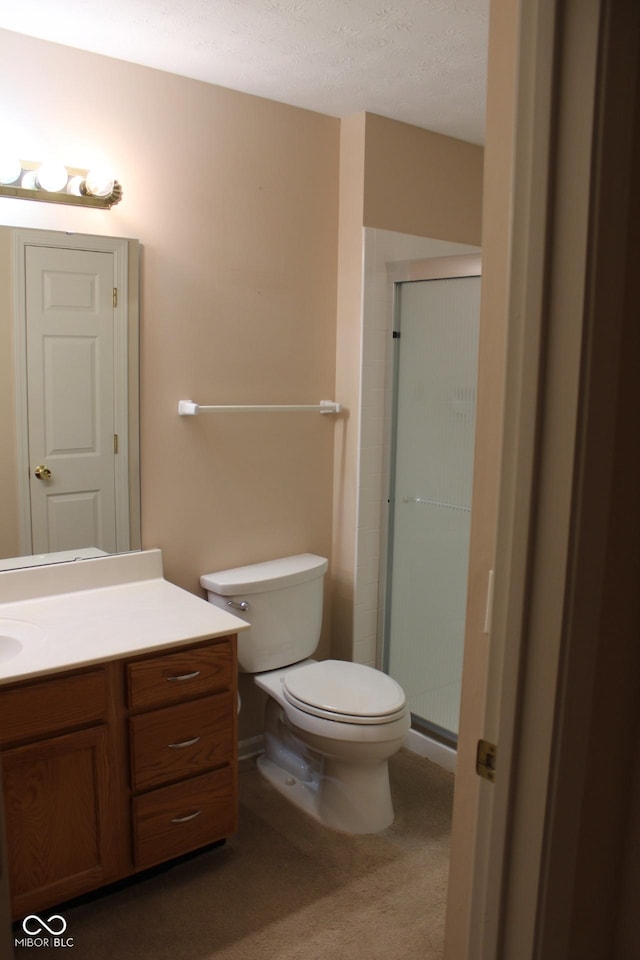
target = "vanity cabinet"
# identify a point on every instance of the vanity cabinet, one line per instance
(115, 768)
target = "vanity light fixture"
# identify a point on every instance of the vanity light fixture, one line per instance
(54, 183)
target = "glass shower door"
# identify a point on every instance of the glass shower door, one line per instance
(431, 494)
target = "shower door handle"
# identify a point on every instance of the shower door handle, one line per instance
(437, 503)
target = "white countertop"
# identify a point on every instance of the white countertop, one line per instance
(90, 624)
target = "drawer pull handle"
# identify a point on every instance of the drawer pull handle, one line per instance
(184, 743)
(184, 676)
(189, 816)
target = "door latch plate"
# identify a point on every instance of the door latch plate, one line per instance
(486, 760)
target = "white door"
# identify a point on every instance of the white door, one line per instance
(70, 398)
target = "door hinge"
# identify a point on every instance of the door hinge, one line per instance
(115, 296)
(115, 443)
(486, 760)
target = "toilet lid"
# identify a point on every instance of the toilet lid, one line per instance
(344, 691)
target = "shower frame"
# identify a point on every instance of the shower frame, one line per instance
(457, 266)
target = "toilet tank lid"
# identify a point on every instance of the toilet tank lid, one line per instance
(260, 577)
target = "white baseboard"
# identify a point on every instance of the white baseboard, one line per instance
(436, 752)
(250, 747)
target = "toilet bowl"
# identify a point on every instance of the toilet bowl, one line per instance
(330, 726)
(337, 757)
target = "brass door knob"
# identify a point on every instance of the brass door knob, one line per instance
(42, 472)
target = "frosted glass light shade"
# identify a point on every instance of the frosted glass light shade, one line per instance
(10, 169)
(75, 186)
(52, 177)
(29, 180)
(99, 183)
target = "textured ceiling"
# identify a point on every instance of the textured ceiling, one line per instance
(420, 61)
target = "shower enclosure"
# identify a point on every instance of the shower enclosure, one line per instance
(437, 306)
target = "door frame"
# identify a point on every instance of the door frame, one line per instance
(568, 531)
(435, 268)
(119, 247)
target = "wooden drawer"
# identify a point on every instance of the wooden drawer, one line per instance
(181, 741)
(42, 707)
(176, 819)
(173, 677)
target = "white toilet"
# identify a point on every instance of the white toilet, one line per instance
(331, 725)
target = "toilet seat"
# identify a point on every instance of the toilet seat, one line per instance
(345, 692)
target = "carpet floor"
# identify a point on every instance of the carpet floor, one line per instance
(285, 888)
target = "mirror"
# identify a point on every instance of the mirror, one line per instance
(69, 406)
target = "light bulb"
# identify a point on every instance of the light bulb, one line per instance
(99, 182)
(75, 186)
(29, 180)
(52, 177)
(10, 169)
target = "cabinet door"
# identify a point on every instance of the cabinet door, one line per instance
(56, 808)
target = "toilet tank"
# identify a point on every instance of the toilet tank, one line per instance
(281, 599)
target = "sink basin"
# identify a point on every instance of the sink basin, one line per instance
(9, 647)
(14, 634)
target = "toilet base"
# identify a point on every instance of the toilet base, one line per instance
(346, 797)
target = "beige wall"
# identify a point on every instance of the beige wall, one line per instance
(401, 178)
(234, 199)
(421, 183)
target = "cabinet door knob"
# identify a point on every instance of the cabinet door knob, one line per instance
(183, 743)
